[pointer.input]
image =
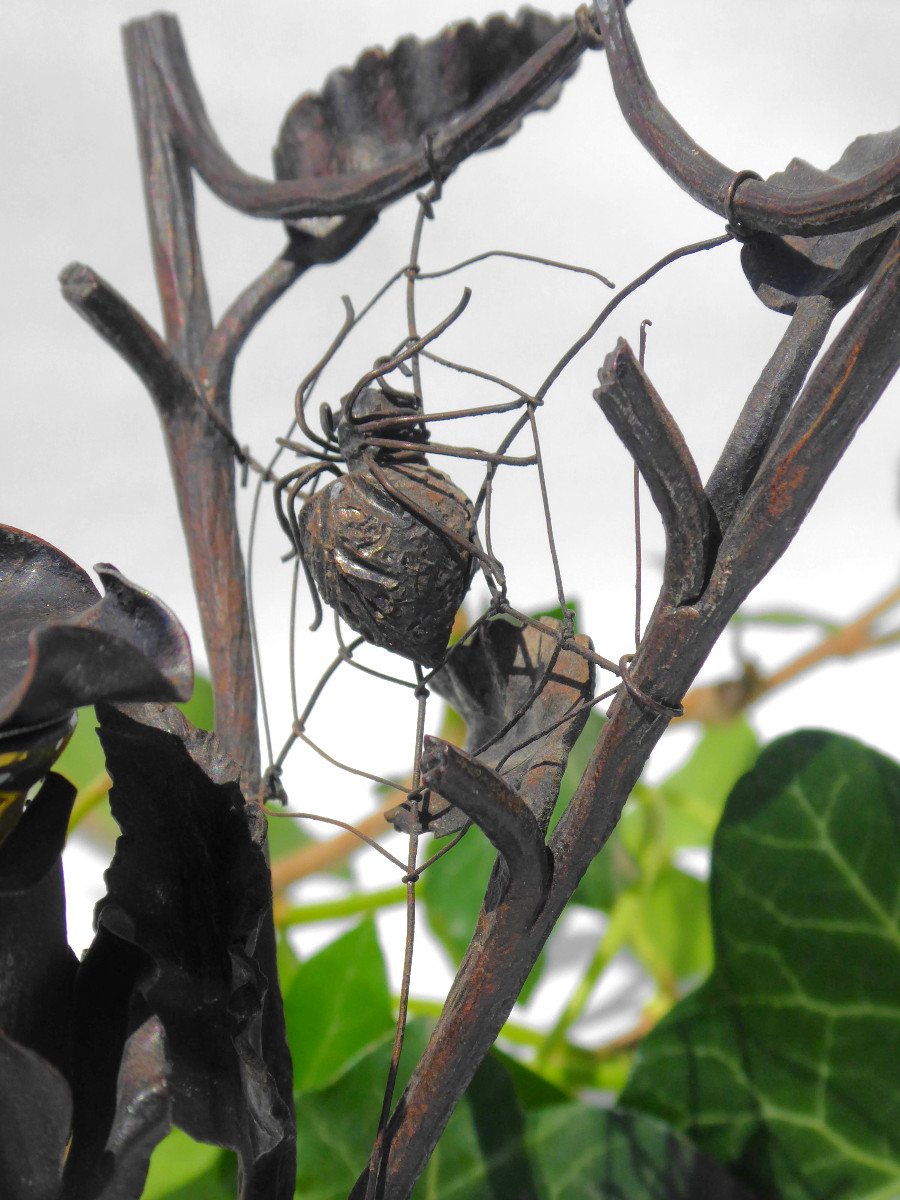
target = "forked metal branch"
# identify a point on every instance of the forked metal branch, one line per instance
(721, 540)
(678, 638)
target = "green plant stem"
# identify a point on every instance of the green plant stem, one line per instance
(346, 906)
(552, 1042)
(519, 1035)
(88, 799)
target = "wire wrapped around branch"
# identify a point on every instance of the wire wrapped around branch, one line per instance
(746, 201)
(652, 438)
(500, 812)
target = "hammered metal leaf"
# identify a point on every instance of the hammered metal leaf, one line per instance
(187, 924)
(62, 645)
(783, 270)
(510, 676)
(380, 109)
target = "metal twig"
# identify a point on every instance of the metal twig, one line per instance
(653, 439)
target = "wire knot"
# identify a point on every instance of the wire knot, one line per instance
(271, 785)
(739, 232)
(655, 706)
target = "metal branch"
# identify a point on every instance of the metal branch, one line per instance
(169, 195)
(227, 339)
(302, 252)
(649, 433)
(838, 397)
(749, 202)
(768, 405)
(202, 467)
(336, 195)
(500, 813)
(122, 326)
(674, 647)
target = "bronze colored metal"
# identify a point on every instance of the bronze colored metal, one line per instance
(376, 540)
(721, 539)
(750, 203)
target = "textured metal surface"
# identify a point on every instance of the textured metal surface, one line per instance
(805, 208)
(377, 111)
(63, 646)
(511, 686)
(392, 577)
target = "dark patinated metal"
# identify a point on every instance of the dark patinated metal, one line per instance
(385, 542)
(522, 699)
(774, 206)
(792, 431)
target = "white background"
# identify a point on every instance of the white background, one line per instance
(83, 461)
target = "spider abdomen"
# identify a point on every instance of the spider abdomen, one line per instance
(389, 574)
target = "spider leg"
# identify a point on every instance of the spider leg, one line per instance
(422, 418)
(386, 366)
(497, 460)
(300, 448)
(287, 519)
(308, 382)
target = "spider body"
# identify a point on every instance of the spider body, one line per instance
(385, 543)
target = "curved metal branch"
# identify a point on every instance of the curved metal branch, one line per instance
(302, 252)
(202, 467)
(169, 194)
(754, 204)
(501, 814)
(649, 433)
(122, 326)
(238, 322)
(335, 195)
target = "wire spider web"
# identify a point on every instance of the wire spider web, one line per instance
(415, 359)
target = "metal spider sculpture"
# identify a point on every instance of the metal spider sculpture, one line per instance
(391, 543)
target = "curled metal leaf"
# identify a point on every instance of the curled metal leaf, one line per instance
(143, 1114)
(35, 1118)
(62, 645)
(187, 924)
(512, 684)
(378, 112)
(38, 968)
(782, 270)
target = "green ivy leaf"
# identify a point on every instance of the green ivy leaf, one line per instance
(786, 618)
(667, 926)
(337, 1007)
(337, 1125)
(453, 889)
(695, 794)
(182, 1169)
(510, 1137)
(785, 1064)
(82, 760)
